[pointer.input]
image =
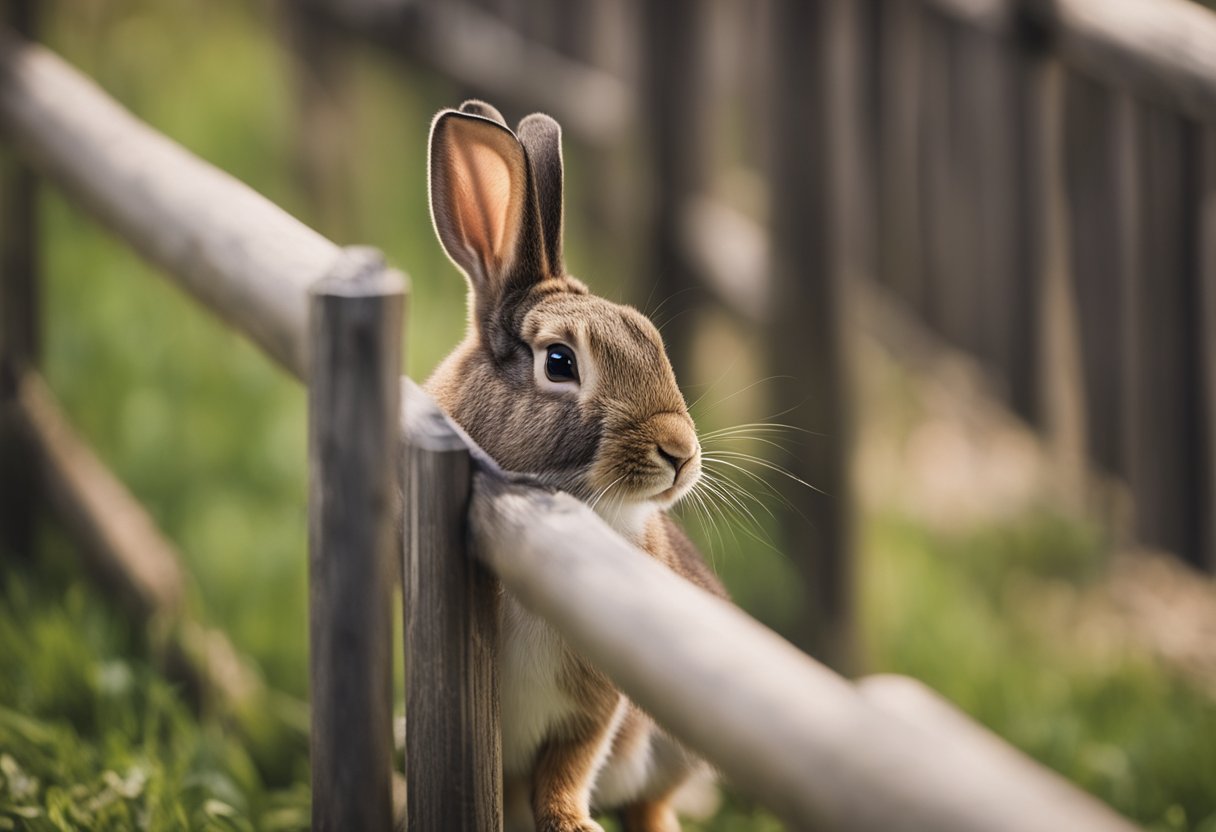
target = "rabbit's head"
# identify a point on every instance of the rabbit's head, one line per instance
(550, 380)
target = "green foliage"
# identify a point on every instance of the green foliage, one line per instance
(92, 737)
(972, 617)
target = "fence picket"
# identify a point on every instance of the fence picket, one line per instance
(1206, 344)
(353, 432)
(452, 741)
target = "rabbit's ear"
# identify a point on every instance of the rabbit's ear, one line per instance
(481, 199)
(475, 107)
(541, 137)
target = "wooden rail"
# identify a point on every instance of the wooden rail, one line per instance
(1163, 50)
(226, 245)
(784, 727)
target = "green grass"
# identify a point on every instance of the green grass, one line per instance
(211, 437)
(971, 616)
(92, 736)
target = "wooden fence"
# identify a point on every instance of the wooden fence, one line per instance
(1034, 178)
(826, 754)
(1093, 218)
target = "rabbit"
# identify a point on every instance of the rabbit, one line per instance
(578, 391)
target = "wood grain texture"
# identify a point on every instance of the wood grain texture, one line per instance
(236, 252)
(782, 727)
(353, 402)
(453, 742)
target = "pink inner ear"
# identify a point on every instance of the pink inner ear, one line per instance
(482, 198)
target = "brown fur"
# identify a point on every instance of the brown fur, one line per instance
(620, 438)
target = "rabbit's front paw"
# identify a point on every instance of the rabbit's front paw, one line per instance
(568, 825)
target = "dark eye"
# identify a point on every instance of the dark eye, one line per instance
(560, 364)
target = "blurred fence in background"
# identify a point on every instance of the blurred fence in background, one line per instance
(1035, 179)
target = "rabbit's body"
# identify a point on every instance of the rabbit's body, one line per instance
(577, 391)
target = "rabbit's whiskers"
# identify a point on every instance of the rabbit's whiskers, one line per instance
(599, 495)
(718, 456)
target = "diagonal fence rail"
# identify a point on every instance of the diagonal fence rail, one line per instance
(823, 752)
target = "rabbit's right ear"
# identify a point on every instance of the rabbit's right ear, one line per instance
(477, 107)
(479, 193)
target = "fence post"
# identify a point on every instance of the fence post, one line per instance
(814, 214)
(453, 748)
(676, 143)
(1058, 394)
(353, 400)
(900, 220)
(19, 325)
(1207, 343)
(1160, 441)
(1094, 172)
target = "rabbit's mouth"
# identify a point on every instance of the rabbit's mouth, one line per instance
(686, 477)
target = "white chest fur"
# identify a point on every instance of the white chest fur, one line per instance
(628, 520)
(530, 658)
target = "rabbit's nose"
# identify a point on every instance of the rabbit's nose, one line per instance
(676, 452)
(675, 440)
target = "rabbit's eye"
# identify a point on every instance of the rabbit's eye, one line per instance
(560, 364)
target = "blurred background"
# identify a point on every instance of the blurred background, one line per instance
(935, 285)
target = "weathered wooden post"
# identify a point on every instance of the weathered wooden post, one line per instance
(353, 400)
(453, 748)
(1057, 395)
(1163, 463)
(900, 221)
(1094, 174)
(675, 142)
(1207, 343)
(19, 324)
(815, 187)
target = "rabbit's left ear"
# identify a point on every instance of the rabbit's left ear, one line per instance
(541, 137)
(481, 200)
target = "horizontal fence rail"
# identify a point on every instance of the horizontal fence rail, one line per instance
(782, 726)
(244, 258)
(1164, 50)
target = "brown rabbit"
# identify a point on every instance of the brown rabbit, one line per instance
(578, 391)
